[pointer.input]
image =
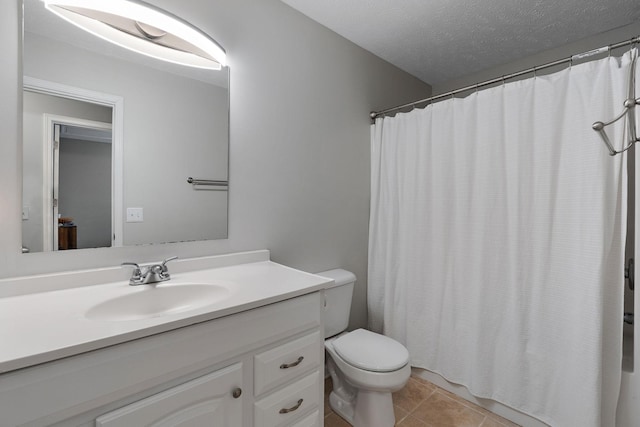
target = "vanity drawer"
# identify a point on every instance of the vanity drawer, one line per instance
(285, 406)
(311, 420)
(285, 362)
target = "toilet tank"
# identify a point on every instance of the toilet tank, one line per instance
(337, 300)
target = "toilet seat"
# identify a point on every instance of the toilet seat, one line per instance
(370, 351)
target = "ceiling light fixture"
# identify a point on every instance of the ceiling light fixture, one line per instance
(142, 28)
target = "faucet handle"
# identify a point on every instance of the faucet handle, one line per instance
(164, 263)
(136, 268)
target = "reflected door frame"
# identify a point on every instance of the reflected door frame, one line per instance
(116, 103)
(52, 124)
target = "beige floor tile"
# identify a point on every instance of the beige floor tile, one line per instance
(327, 408)
(466, 403)
(412, 394)
(501, 422)
(442, 411)
(411, 422)
(423, 404)
(456, 397)
(488, 422)
(475, 407)
(428, 383)
(328, 386)
(334, 420)
(399, 413)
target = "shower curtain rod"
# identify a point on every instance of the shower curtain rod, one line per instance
(375, 114)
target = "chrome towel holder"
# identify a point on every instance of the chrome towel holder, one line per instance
(218, 185)
(628, 113)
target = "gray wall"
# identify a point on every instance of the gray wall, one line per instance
(299, 170)
(85, 190)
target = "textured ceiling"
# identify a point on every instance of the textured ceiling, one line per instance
(440, 40)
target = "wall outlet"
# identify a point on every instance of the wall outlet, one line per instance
(134, 215)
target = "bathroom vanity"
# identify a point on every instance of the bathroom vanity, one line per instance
(247, 353)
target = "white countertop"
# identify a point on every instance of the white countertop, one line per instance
(41, 327)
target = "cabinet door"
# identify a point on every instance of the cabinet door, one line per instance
(205, 401)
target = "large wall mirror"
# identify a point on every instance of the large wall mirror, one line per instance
(110, 138)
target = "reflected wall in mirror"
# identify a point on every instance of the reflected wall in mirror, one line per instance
(172, 123)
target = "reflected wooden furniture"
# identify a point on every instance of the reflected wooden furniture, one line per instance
(67, 234)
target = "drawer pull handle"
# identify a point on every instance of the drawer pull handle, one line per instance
(292, 365)
(237, 393)
(293, 408)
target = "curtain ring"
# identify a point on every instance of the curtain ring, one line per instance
(535, 72)
(503, 82)
(632, 45)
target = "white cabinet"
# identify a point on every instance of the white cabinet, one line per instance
(283, 407)
(211, 400)
(285, 362)
(311, 420)
(296, 364)
(273, 354)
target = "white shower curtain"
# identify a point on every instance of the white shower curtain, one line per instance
(497, 241)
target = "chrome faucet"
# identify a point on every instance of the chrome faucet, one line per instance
(152, 274)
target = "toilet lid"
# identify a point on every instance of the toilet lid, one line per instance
(370, 351)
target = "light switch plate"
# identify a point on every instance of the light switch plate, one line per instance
(25, 212)
(134, 215)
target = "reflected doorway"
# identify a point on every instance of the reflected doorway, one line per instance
(72, 167)
(81, 184)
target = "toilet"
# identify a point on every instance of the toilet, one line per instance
(365, 367)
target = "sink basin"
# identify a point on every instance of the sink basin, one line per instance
(149, 301)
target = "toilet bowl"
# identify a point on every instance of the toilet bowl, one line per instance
(365, 367)
(364, 379)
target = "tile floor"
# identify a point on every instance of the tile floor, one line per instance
(423, 404)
